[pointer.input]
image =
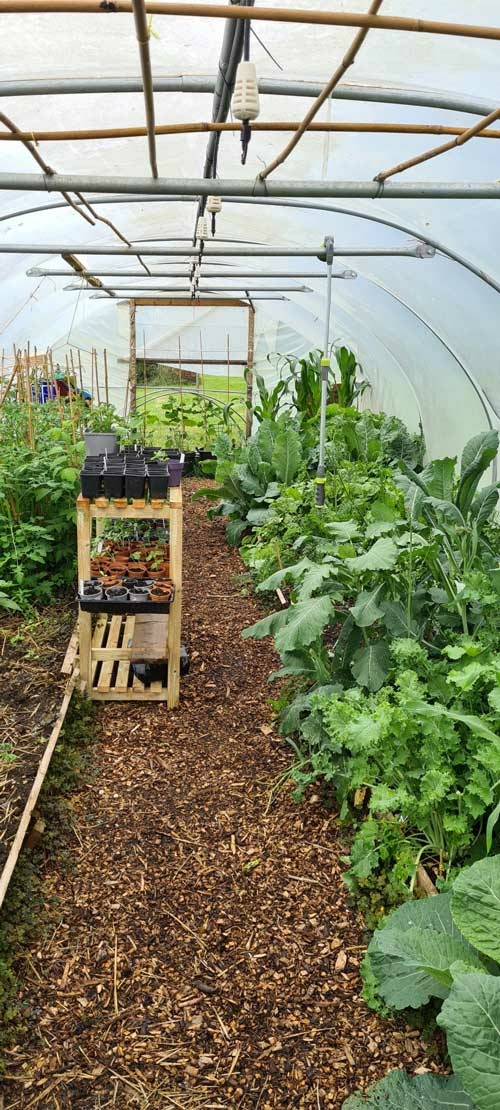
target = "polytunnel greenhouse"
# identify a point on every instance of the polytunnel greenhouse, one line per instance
(249, 554)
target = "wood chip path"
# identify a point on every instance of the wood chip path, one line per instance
(203, 953)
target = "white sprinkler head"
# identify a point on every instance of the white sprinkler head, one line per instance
(245, 103)
(214, 205)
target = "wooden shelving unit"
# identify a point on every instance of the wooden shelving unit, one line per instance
(107, 650)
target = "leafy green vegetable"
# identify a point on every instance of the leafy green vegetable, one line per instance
(476, 905)
(422, 1092)
(471, 1017)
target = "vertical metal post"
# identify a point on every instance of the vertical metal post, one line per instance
(132, 373)
(325, 370)
(249, 376)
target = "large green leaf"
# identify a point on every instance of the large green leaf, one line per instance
(396, 619)
(234, 531)
(267, 626)
(265, 439)
(477, 455)
(382, 555)
(287, 455)
(399, 1091)
(471, 1017)
(410, 986)
(295, 571)
(370, 665)
(306, 621)
(342, 529)
(475, 905)
(484, 505)
(367, 610)
(444, 512)
(418, 960)
(257, 517)
(437, 477)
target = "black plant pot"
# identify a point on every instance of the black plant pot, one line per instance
(175, 470)
(90, 483)
(135, 484)
(113, 481)
(92, 590)
(158, 481)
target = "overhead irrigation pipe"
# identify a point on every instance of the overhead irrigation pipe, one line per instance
(196, 186)
(267, 15)
(196, 127)
(142, 33)
(325, 371)
(230, 56)
(324, 95)
(194, 302)
(223, 275)
(421, 251)
(282, 288)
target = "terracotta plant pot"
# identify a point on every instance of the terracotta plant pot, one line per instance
(162, 591)
(137, 569)
(111, 580)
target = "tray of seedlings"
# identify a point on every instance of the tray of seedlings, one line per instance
(130, 570)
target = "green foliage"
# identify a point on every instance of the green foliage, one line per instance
(442, 948)
(248, 483)
(349, 389)
(421, 1092)
(38, 489)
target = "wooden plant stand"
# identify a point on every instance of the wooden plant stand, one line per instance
(107, 650)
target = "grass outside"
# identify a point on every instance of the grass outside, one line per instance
(194, 414)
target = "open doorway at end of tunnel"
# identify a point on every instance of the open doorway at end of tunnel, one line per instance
(192, 373)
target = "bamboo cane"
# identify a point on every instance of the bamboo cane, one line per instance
(98, 392)
(79, 400)
(10, 381)
(80, 373)
(29, 412)
(54, 383)
(70, 402)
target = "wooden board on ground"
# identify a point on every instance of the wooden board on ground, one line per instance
(43, 767)
(71, 653)
(149, 638)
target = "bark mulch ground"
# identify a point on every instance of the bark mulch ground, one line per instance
(204, 953)
(31, 690)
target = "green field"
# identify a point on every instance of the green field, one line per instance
(194, 415)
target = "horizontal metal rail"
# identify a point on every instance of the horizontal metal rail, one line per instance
(199, 186)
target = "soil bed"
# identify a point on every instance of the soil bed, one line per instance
(203, 952)
(31, 691)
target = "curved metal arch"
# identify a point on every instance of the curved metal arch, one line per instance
(314, 205)
(420, 98)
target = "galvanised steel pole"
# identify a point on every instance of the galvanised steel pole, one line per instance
(325, 370)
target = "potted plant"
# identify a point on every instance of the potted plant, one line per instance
(100, 433)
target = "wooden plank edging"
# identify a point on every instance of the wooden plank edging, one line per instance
(43, 767)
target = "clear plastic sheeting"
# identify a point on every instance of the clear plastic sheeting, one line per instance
(425, 330)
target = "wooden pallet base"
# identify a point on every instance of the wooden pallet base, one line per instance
(116, 643)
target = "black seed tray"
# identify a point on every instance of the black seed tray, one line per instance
(121, 608)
